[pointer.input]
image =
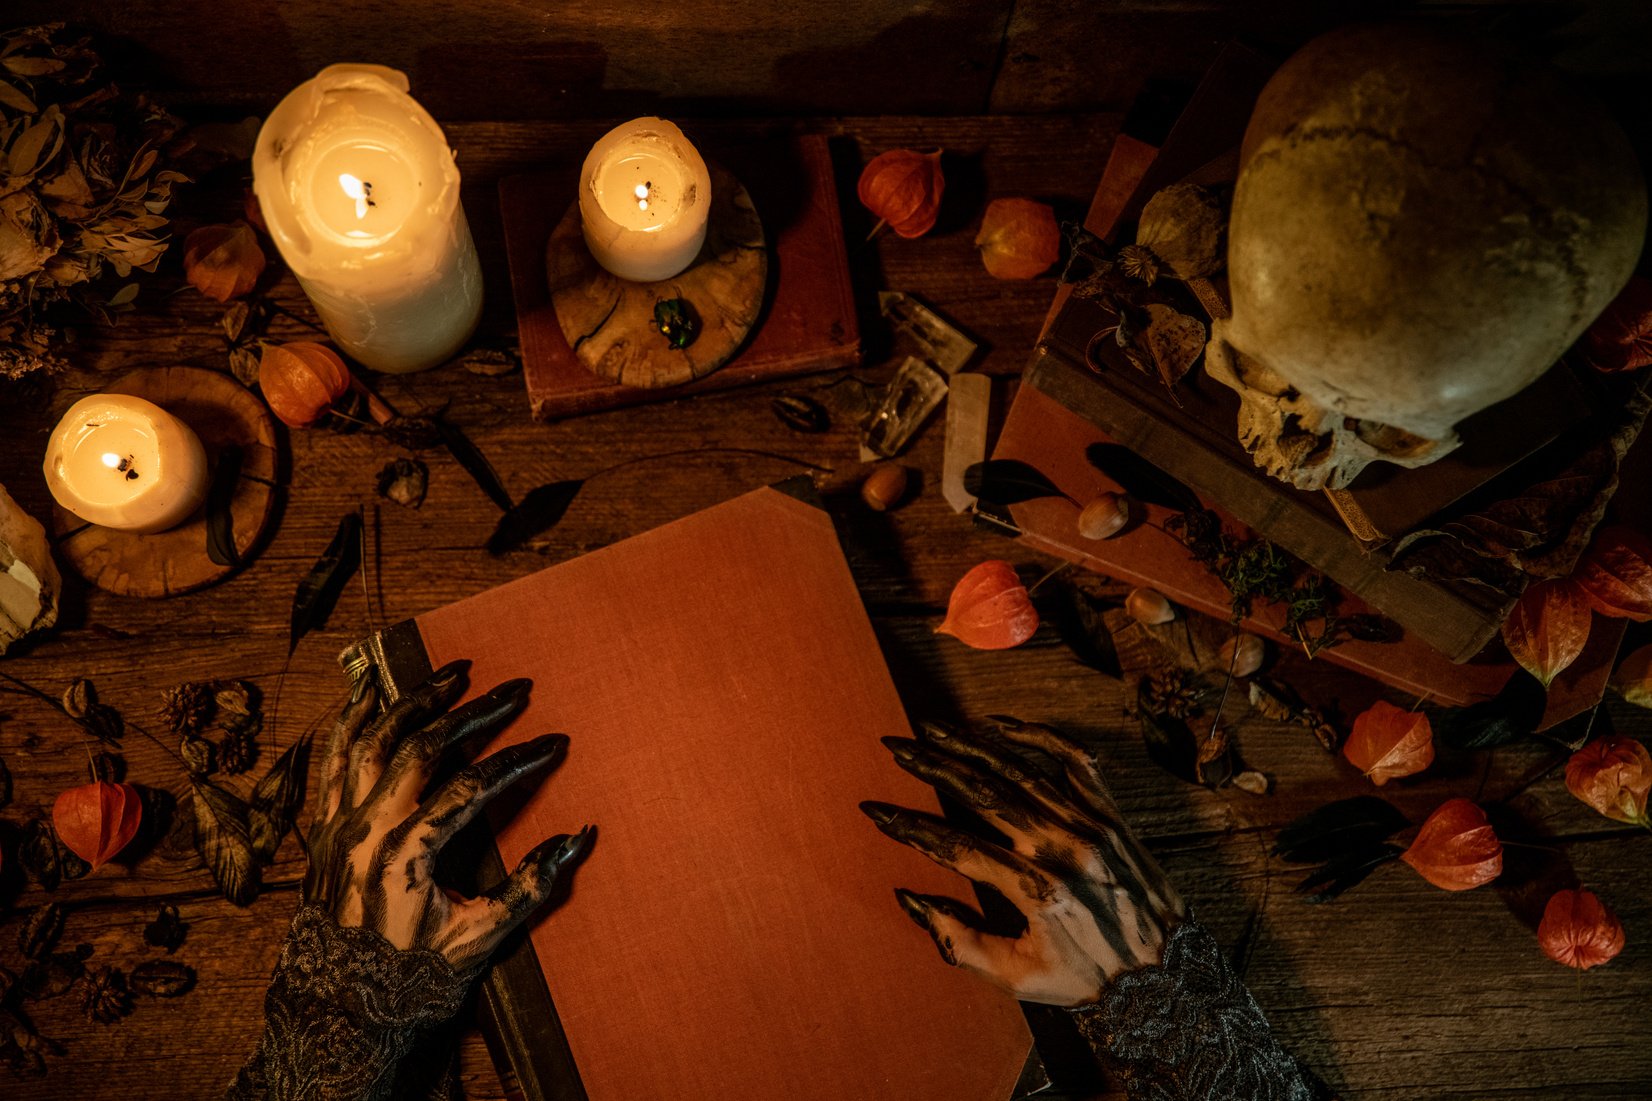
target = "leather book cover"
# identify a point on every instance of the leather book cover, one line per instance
(733, 932)
(808, 323)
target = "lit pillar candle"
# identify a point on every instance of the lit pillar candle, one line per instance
(360, 192)
(125, 463)
(644, 194)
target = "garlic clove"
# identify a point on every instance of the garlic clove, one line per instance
(1104, 517)
(1149, 606)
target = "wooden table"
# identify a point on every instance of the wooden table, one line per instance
(1397, 990)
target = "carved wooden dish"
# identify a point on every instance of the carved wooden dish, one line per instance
(609, 322)
(224, 414)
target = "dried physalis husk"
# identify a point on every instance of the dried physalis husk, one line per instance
(1388, 743)
(223, 261)
(29, 581)
(1019, 238)
(990, 608)
(301, 380)
(1243, 654)
(884, 487)
(1579, 931)
(97, 820)
(1456, 849)
(1104, 517)
(1149, 606)
(1185, 226)
(903, 188)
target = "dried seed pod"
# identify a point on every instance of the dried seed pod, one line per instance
(903, 188)
(404, 481)
(1149, 606)
(223, 261)
(1185, 226)
(990, 608)
(885, 487)
(200, 756)
(105, 998)
(301, 380)
(97, 820)
(167, 930)
(1243, 654)
(1579, 930)
(79, 698)
(1104, 517)
(162, 979)
(187, 708)
(1019, 238)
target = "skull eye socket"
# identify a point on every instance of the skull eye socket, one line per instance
(1390, 440)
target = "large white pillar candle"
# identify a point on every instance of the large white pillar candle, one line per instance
(644, 194)
(126, 463)
(359, 189)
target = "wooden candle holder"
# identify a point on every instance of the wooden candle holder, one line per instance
(609, 321)
(224, 414)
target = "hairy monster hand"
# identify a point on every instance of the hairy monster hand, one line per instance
(376, 838)
(1096, 903)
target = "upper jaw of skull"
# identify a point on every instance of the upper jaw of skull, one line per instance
(1298, 440)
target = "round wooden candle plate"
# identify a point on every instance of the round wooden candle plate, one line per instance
(609, 322)
(224, 414)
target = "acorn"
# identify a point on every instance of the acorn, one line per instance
(884, 488)
(1104, 517)
(1149, 606)
(1243, 654)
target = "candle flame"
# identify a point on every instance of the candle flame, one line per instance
(111, 460)
(356, 190)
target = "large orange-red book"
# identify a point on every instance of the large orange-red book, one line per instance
(733, 933)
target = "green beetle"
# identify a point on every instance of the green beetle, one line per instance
(677, 321)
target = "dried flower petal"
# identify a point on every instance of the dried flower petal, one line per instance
(1548, 628)
(1613, 775)
(903, 188)
(301, 380)
(1615, 574)
(223, 261)
(1185, 225)
(1019, 238)
(1388, 743)
(97, 820)
(1579, 931)
(990, 608)
(1456, 849)
(1621, 337)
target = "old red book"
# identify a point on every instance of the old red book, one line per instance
(733, 932)
(808, 323)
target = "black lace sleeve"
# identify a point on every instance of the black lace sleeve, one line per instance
(1188, 1030)
(343, 1009)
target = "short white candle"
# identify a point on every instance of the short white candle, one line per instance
(126, 463)
(644, 194)
(359, 189)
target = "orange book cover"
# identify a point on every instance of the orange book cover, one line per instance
(733, 932)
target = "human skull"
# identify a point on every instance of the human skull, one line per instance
(1419, 230)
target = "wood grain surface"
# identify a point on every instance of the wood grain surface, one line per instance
(1396, 991)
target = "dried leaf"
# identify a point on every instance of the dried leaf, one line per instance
(404, 481)
(476, 464)
(221, 837)
(1007, 482)
(1019, 238)
(800, 413)
(540, 510)
(234, 321)
(275, 800)
(1579, 931)
(1339, 829)
(1278, 703)
(1621, 337)
(41, 930)
(97, 820)
(1140, 478)
(243, 364)
(167, 930)
(1613, 775)
(1388, 743)
(220, 516)
(1513, 714)
(1174, 342)
(162, 979)
(1615, 574)
(903, 188)
(990, 608)
(1456, 850)
(319, 589)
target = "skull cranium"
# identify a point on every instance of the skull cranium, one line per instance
(1419, 230)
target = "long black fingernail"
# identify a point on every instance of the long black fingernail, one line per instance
(516, 691)
(934, 731)
(448, 674)
(914, 907)
(548, 746)
(881, 813)
(1006, 720)
(902, 748)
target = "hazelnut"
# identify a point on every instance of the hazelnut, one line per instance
(1104, 517)
(884, 487)
(1243, 654)
(1149, 606)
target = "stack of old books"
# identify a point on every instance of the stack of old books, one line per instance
(1081, 390)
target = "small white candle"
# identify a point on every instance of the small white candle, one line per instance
(126, 463)
(644, 194)
(359, 189)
